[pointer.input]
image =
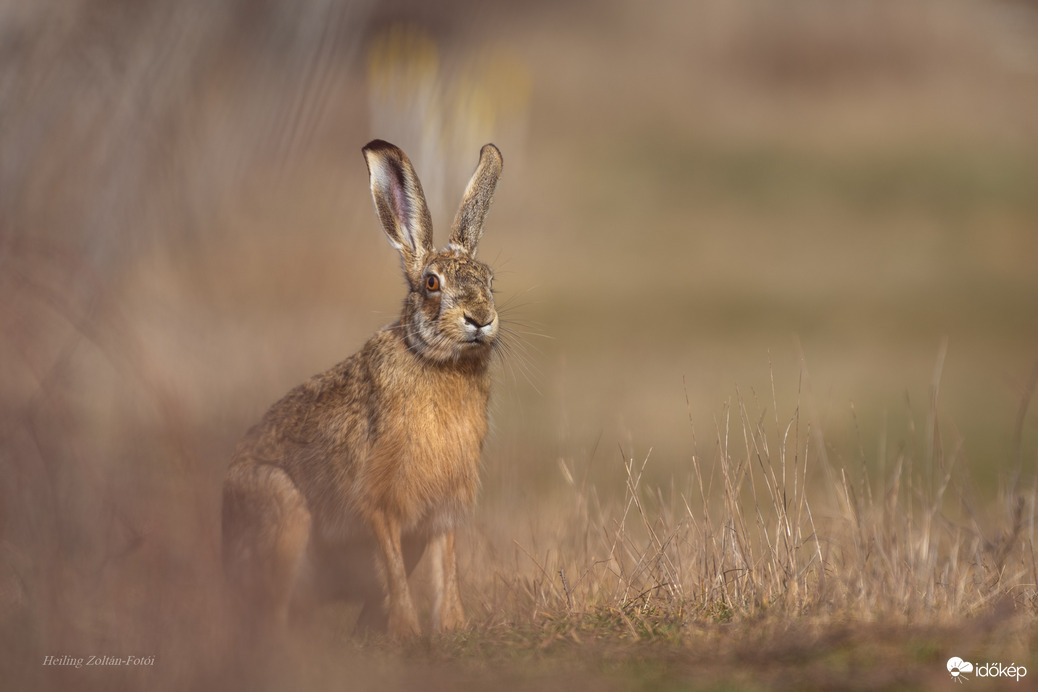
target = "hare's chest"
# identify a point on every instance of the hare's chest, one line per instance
(426, 462)
(443, 446)
(444, 417)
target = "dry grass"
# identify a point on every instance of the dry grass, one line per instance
(767, 532)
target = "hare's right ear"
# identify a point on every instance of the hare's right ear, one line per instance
(400, 204)
(468, 222)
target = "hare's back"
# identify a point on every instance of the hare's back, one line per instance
(317, 419)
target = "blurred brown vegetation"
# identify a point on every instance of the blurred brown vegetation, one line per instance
(807, 203)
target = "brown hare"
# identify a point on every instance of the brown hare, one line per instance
(338, 490)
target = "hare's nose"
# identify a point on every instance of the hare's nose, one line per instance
(477, 323)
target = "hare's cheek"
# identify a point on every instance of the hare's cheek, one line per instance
(431, 308)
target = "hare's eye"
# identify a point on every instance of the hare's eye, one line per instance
(432, 282)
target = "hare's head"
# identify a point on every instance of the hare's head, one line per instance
(449, 311)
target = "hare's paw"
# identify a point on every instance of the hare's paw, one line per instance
(452, 617)
(403, 623)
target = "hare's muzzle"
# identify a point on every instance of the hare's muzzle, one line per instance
(480, 327)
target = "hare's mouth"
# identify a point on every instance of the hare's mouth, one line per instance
(478, 343)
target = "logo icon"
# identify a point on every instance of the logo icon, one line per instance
(957, 667)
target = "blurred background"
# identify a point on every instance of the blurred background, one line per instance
(825, 204)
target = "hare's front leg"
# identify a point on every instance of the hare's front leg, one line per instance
(403, 619)
(447, 611)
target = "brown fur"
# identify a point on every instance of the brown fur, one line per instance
(376, 458)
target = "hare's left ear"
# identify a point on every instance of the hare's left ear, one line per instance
(400, 204)
(468, 223)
